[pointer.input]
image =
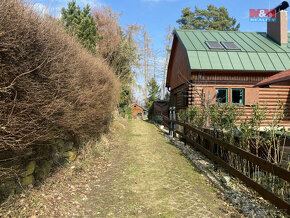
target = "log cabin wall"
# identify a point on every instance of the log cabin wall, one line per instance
(271, 96)
(177, 96)
(230, 77)
(205, 87)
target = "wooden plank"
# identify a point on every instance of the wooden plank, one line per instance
(274, 89)
(272, 168)
(249, 182)
(251, 96)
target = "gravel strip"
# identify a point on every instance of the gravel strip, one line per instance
(244, 199)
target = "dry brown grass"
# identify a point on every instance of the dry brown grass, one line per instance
(49, 85)
(139, 175)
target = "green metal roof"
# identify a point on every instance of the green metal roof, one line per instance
(258, 52)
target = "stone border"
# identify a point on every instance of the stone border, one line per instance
(57, 152)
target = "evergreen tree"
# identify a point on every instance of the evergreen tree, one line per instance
(211, 19)
(167, 96)
(81, 24)
(153, 95)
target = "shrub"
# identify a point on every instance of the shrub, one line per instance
(194, 115)
(127, 112)
(50, 86)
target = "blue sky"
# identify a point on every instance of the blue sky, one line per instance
(158, 14)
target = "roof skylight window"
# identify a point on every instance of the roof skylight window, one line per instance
(214, 45)
(230, 46)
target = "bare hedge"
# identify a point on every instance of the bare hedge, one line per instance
(50, 86)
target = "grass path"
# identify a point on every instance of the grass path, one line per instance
(150, 177)
(143, 176)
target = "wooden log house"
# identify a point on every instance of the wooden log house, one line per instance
(225, 66)
(137, 111)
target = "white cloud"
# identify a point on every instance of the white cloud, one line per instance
(53, 7)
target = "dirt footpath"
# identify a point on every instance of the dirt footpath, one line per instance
(142, 175)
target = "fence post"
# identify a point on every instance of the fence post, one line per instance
(173, 123)
(215, 146)
(211, 143)
(184, 131)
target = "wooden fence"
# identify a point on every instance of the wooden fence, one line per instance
(220, 152)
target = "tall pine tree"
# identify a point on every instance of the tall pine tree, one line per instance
(81, 24)
(153, 95)
(211, 19)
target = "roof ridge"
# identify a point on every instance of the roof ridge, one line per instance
(239, 51)
(224, 31)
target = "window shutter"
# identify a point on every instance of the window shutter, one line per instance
(251, 96)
